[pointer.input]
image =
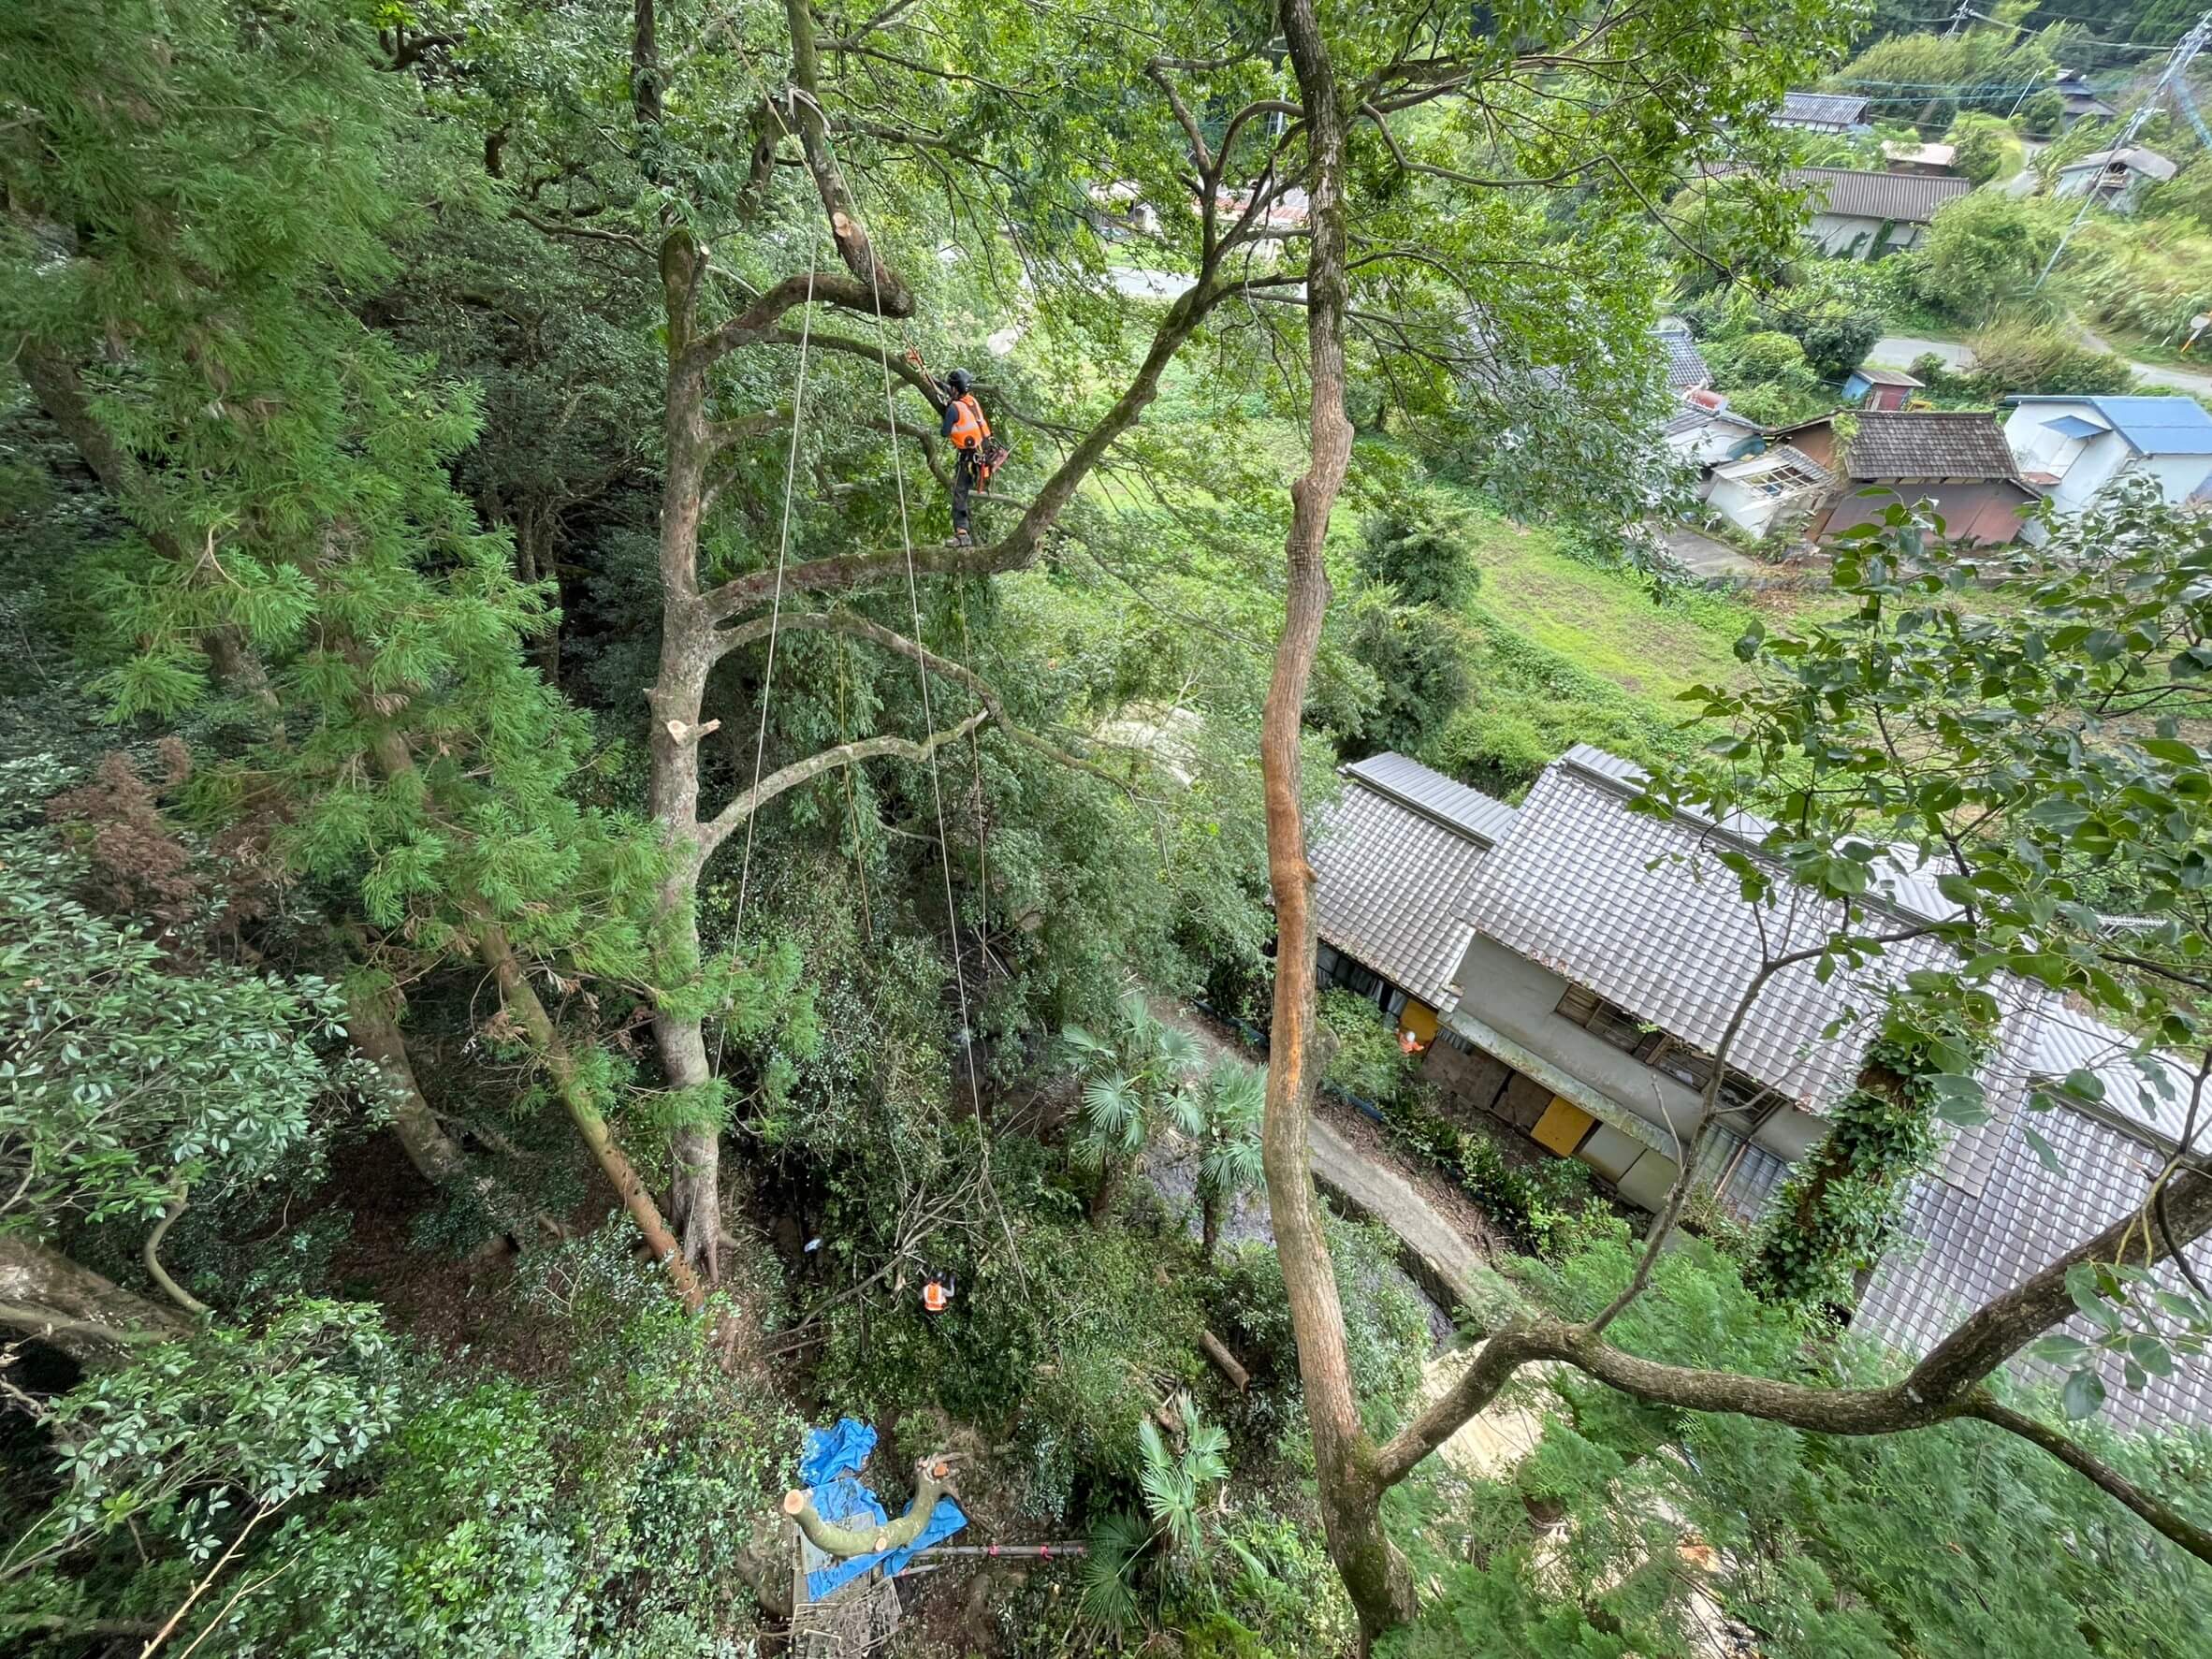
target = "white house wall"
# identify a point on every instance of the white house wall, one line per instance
(1521, 999)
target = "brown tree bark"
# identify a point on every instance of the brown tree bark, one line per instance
(1374, 1573)
(372, 1024)
(90, 1317)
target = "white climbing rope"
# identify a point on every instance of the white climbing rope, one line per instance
(790, 468)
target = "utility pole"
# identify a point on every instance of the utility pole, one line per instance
(1959, 18)
(2177, 63)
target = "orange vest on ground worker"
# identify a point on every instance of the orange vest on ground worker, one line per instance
(964, 423)
(935, 1295)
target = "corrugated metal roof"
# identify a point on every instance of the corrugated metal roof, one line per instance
(1821, 109)
(1963, 1249)
(2155, 426)
(1911, 199)
(1640, 910)
(1874, 376)
(1394, 858)
(2136, 158)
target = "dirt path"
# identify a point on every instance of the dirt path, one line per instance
(1444, 1239)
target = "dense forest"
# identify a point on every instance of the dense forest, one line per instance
(584, 894)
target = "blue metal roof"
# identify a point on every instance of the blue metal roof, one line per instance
(2073, 425)
(2155, 426)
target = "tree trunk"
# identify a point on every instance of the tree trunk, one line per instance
(678, 691)
(89, 1317)
(1102, 1196)
(371, 1023)
(1374, 1573)
(575, 1094)
(1210, 1206)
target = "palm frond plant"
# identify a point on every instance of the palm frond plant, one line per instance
(1231, 1104)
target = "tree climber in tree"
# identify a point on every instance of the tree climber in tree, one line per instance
(969, 433)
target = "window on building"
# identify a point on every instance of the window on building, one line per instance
(1690, 1066)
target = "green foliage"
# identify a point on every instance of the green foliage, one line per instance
(2107, 614)
(603, 1512)
(1386, 1328)
(1364, 1056)
(1983, 254)
(192, 1442)
(1939, 1540)
(128, 1079)
(1529, 1201)
(1987, 148)
(1835, 1214)
(1418, 657)
(2043, 114)
(1417, 548)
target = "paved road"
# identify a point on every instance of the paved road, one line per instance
(1897, 351)
(1703, 555)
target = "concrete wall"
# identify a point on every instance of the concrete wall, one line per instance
(1521, 1001)
(1985, 513)
(1848, 237)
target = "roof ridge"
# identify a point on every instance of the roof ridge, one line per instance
(1422, 809)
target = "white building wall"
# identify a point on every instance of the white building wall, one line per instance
(1520, 999)
(1749, 510)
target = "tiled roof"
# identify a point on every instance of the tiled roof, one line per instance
(2135, 158)
(1967, 1248)
(1639, 909)
(1874, 376)
(1394, 858)
(1821, 109)
(1909, 197)
(2148, 1091)
(2155, 426)
(1929, 445)
(1685, 368)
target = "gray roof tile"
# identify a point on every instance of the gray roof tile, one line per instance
(1394, 857)
(1911, 199)
(1929, 445)
(1961, 1249)
(1659, 927)
(1821, 109)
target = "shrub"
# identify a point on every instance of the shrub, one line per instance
(1528, 1201)
(1754, 360)
(1986, 145)
(1983, 254)
(2016, 357)
(1419, 658)
(1419, 548)
(2043, 114)
(1364, 1058)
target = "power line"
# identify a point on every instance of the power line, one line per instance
(2184, 49)
(2107, 45)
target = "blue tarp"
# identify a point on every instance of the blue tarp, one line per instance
(829, 1464)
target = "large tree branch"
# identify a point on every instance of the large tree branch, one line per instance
(713, 833)
(845, 622)
(882, 289)
(1890, 1410)
(1019, 547)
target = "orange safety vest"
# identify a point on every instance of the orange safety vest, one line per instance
(935, 1295)
(969, 427)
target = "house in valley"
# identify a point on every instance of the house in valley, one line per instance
(1938, 160)
(1955, 464)
(1567, 967)
(1860, 215)
(1879, 388)
(1770, 488)
(2118, 178)
(2080, 100)
(1821, 112)
(2070, 447)
(1706, 431)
